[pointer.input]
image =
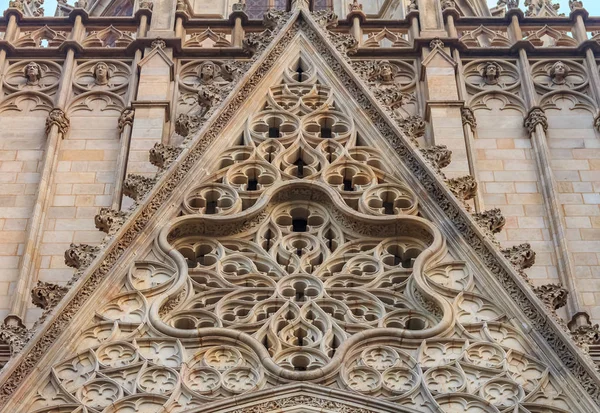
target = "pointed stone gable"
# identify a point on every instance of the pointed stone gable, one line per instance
(320, 246)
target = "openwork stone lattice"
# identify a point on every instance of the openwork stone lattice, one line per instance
(302, 257)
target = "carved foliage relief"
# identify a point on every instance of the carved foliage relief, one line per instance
(301, 257)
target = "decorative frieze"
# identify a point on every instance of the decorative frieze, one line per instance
(536, 117)
(59, 118)
(80, 256)
(553, 295)
(521, 256)
(439, 156)
(110, 221)
(137, 186)
(162, 155)
(47, 295)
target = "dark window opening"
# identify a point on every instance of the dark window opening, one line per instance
(299, 225)
(326, 132)
(348, 185)
(252, 184)
(273, 132)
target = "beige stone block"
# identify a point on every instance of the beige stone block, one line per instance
(57, 236)
(81, 155)
(531, 222)
(499, 187)
(63, 200)
(524, 198)
(526, 187)
(490, 165)
(578, 222)
(590, 234)
(581, 210)
(573, 199)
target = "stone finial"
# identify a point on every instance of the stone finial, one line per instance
(355, 6)
(17, 4)
(137, 187)
(240, 6)
(412, 6)
(47, 295)
(325, 18)
(59, 118)
(521, 256)
(16, 336)
(468, 117)
(80, 256)
(110, 221)
(553, 295)
(126, 118)
(162, 155)
(464, 187)
(575, 5)
(438, 156)
(448, 4)
(491, 220)
(536, 117)
(146, 4)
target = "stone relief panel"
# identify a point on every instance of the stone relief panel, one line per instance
(486, 75)
(110, 75)
(37, 75)
(301, 257)
(559, 75)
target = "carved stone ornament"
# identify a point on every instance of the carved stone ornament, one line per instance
(186, 124)
(126, 118)
(137, 186)
(47, 295)
(559, 75)
(439, 156)
(536, 117)
(490, 73)
(483, 75)
(158, 43)
(597, 122)
(80, 256)
(16, 336)
(512, 4)
(81, 4)
(468, 118)
(412, 6)
(162, 155)
(326, 18)
(586, 335)
(436, 43)
(32, 73)
(109, 75)
(575, 5)
(17, 4)
(553, 295)
(41, 75)
(448, 4)
(464, 187)
(240, 6)
(182, 6)
(414, 127)
(491, 220)
(521, 256)
(59, 118)
(110, 221)
(146, 4)
(328, 318)
(355, 6)
(345, 43)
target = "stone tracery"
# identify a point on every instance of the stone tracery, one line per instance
(335, 262)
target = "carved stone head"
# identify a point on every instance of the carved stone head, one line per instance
(386, 72)
(208, 71)
(491, 73)
(559, 72)
(101, 73)
(33, 73)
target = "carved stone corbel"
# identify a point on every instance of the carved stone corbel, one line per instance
(521, 256)
(468, 118)
(80, 256)
(59, 118)
(15, 336)
(47, 295)
(126, 118)
(464, 187)
(554, 296)
(491, 220)
(110, 221)
(439, 156)
(536, 117)
(162, 155)
(137, 187)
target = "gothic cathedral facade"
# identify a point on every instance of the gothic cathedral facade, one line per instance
(273, 206)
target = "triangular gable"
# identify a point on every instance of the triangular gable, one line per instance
(482, 338)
